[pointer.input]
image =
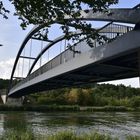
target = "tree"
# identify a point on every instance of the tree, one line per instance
(49, 11)
(3, 10)
(42, 11)
(4, 84)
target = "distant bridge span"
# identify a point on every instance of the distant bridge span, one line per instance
(118, 59)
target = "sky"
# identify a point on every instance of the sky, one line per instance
(11, 36)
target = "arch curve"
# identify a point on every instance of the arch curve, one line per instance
(117, 15)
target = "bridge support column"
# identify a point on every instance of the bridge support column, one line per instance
(139, 66)
(10, 101)
(14, 101)
(3, 95)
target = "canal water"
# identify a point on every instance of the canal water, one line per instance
(116, 124)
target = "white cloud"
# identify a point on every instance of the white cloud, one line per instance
(133, 82)
(6, 68)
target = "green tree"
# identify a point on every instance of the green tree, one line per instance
(73, 96)
(135, 101)
(46, 12)
(3, 10)
(81, 96)
(43, 11)
(4, 84)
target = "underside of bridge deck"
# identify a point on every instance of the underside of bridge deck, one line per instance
(117, 59)
(119, 67)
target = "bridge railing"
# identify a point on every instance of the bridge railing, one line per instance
(112, 31)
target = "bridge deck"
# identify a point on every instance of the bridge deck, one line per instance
(116, 60)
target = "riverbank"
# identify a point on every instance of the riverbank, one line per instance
(45, 108)
(66, 135)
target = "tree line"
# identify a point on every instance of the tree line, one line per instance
(95, 95)
(89, 95)
(4, 83)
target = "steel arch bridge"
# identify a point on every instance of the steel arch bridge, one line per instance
(118, 59)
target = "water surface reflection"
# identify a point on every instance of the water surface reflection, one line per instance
(116, 124)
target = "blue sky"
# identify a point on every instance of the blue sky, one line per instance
(11, 36)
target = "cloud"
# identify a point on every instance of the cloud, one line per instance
(6, 68)
(133, 82)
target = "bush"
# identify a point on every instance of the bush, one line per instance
(135, 101)
(125, 102)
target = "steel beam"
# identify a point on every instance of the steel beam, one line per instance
(47, 40)
(26, 57)
(119, 67)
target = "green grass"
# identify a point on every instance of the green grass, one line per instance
(109, 108)
(47, 108)
(14, 135)
(42, 108)
(65, 135)
(133, 138)
(72, 136)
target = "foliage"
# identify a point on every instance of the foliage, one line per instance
(109, 108)
(135, 101)
(14, 135)
(67, 13)
(96, 95)
(44, 11)
(40, 108)
(133, 137)
(3, 10)
(4, 84)
(93, 95)
(64, 135)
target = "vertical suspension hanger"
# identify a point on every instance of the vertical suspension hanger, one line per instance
(41, 50)
(65, 43)
(60, 51)
(112, 31)
(48, 55)
(139, 66)
(30, 53)
(60, 46)
(18, 74)
(23, 63)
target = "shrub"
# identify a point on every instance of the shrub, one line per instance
(135, 101)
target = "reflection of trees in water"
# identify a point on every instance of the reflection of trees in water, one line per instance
(134, 116)
(16, 122)
(1, 124)
(71, 120)
(98, 118)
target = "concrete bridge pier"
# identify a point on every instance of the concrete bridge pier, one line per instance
(14, 101)
(3, 95)
(139, 66)
(10, 101)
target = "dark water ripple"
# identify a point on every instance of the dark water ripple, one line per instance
(116, 124)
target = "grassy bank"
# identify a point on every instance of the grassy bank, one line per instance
(109, 108)
(45, 108)
(42, 108)
(68, 135)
